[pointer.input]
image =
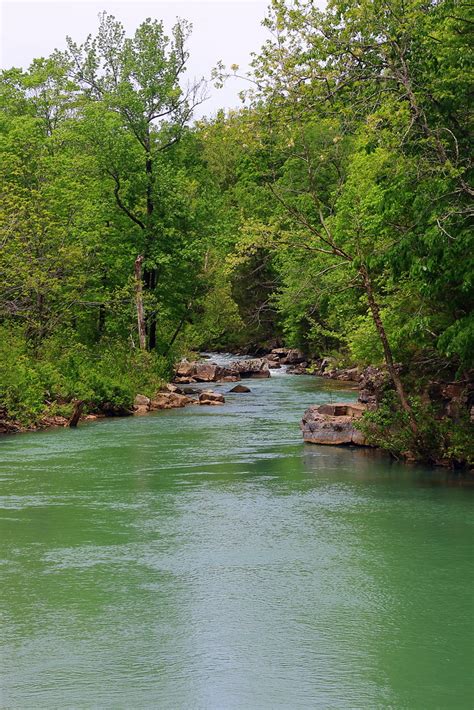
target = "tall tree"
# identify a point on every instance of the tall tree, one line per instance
(139, 79)
(368, 72)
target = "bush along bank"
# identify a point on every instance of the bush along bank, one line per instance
(43, 388)
(443, 410)
(444, 413)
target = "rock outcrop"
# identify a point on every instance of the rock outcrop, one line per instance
(333, 424)
(373, 384)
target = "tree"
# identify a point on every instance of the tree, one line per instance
(365, 77)
(138, 80)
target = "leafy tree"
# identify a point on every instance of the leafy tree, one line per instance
(137, 80)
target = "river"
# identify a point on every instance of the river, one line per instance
(207, 558)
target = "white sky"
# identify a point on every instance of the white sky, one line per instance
(222, 29)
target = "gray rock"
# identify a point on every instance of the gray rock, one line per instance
(254, 368)
(170, 400)
(189, 372)
(333, 424)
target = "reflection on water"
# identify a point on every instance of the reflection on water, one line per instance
(210, 559)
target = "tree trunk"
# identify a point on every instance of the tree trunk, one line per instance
(178, 328)
(150, 279)
(152, 332)
(76, 415)
(375, 310)
(139, 303)
(151, 275)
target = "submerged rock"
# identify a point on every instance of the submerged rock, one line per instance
(333, 424)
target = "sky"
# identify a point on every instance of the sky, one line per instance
(227, 30)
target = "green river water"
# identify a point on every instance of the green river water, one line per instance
(207, 558)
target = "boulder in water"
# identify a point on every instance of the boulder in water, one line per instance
(189, 372)
(210, 397)
(253, 368)
(240, 388)
(273, 364)
(333, 424)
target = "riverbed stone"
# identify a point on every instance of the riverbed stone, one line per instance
(273, 364)
(190, 372)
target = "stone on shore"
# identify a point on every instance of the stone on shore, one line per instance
(141, 404)
(169, 400)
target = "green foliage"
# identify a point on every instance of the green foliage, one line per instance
(218, 326)
(105, 378)
(439, 438)
(458, 340)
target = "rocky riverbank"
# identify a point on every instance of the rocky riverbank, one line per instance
(174, 395)
(448, 405)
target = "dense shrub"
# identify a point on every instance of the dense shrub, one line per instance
(64, 370)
